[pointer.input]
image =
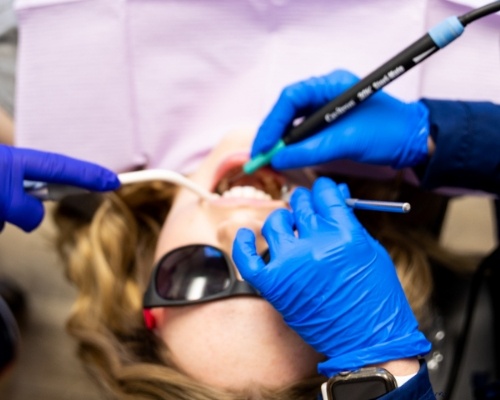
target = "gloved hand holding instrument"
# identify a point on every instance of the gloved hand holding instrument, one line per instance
(337, 121)
(382, 130)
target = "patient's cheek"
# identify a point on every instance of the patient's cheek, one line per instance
(236, 343)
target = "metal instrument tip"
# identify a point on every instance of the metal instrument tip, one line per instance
(234, 178)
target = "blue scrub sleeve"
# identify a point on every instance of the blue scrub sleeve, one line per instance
(467, 137)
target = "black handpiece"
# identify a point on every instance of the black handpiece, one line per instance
(364, 89)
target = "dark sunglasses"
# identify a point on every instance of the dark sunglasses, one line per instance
(195, 274)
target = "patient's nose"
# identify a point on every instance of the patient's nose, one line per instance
(226, 232)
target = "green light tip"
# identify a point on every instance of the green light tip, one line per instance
(262, 159)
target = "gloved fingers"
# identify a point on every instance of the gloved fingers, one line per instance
(297, 100)
(344, 190)
(245, 255)
(56, 168)
(274, 125)
(27, 213)
(311, 151)
(329, 202)
(337, 82)
(278, 230)
(304, 214)
(351, 138)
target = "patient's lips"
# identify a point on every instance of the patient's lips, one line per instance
(265, 184)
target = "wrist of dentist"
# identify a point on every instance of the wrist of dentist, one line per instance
(402, 370)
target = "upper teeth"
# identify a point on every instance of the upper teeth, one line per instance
(247, 192)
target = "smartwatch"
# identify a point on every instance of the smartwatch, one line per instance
(362, 384)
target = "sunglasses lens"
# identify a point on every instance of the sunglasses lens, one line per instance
(192, 273)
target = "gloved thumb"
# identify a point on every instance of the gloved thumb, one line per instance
(344, 190)
(27, 214)
(245, 256)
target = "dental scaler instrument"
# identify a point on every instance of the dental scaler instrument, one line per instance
(375, 205)
(434, 40)
(54, 192)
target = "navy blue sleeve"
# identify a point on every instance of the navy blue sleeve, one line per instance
(417, 388)
(467, 137)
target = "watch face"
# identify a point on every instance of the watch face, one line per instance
(366, 390)
(364, 384)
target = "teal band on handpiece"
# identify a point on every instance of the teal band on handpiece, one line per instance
(262, 159)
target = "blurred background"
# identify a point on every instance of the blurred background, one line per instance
(46, 366)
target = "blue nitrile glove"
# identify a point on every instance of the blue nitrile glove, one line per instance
(382, 130)
(334, 284)
(17, 165)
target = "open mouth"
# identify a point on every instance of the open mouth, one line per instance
(264, 184)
